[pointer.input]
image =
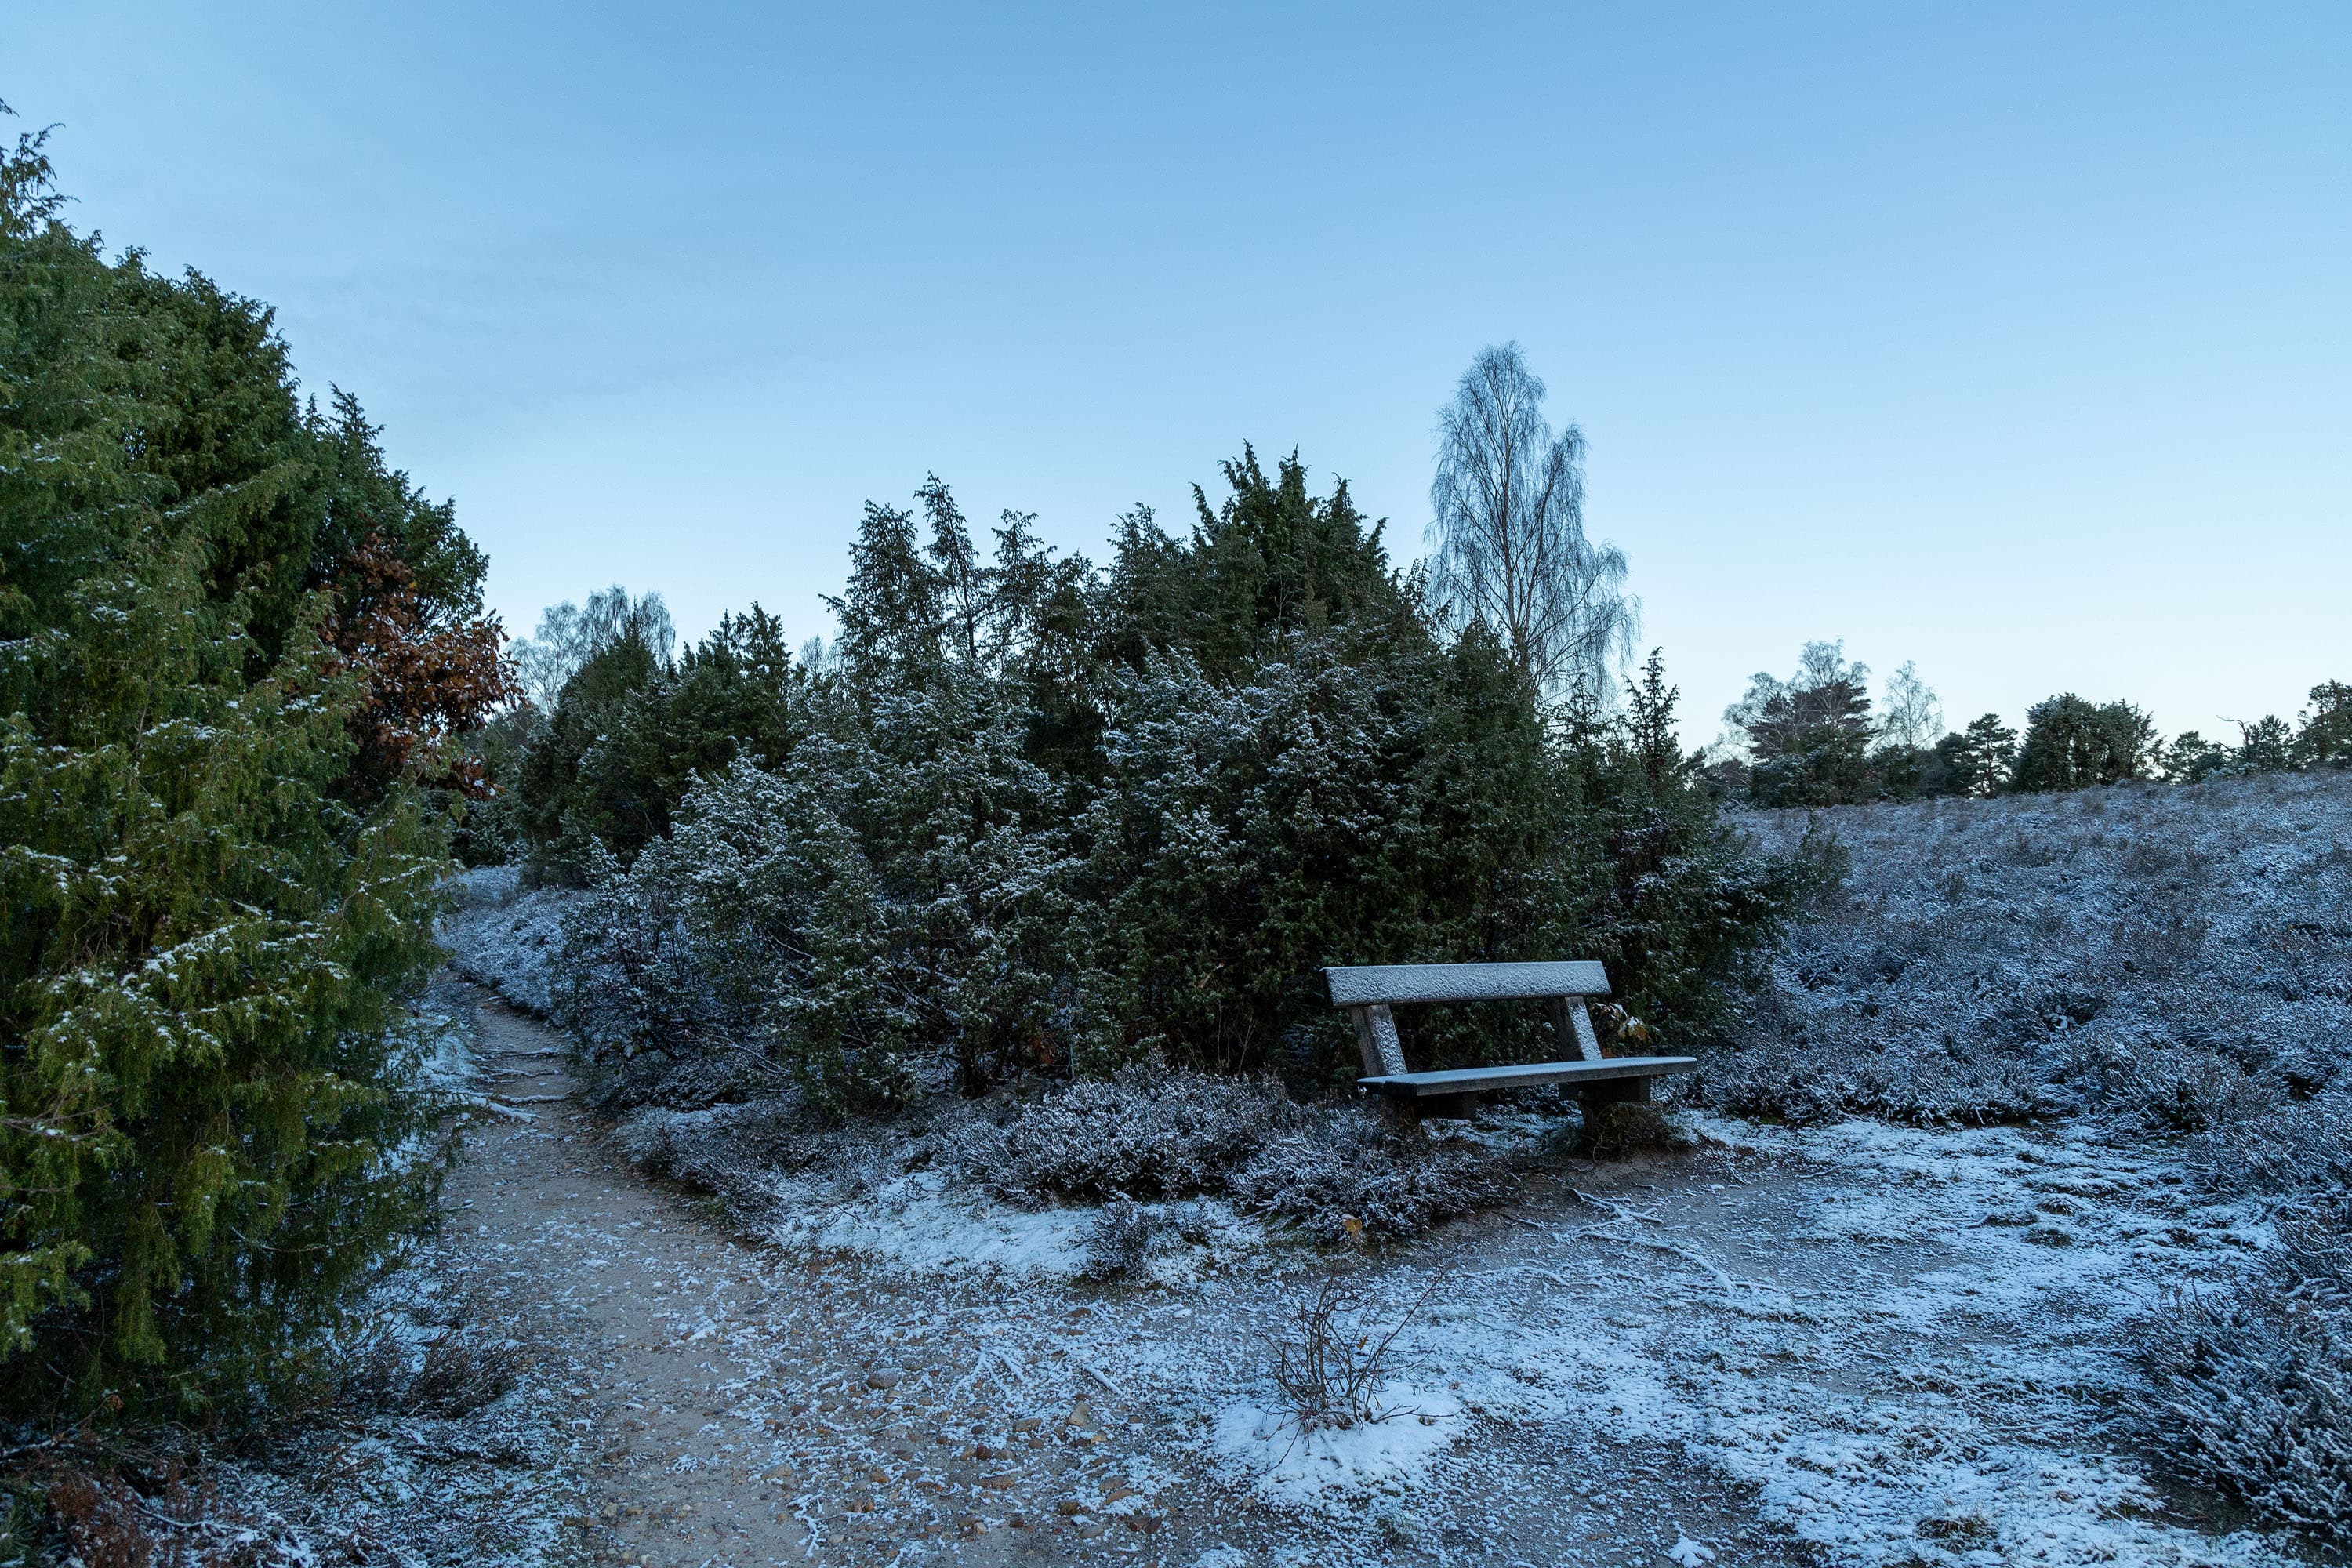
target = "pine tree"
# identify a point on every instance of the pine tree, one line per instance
(2324, 738)
(2073, 744)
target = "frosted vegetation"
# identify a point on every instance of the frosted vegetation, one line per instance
(1000, 920)
(2161, 969)
(984, 945)
(1030, 819)
(2172, 964)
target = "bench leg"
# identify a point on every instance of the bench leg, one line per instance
(1401, 1112)
(1449, 1107)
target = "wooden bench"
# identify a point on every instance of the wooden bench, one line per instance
(1367, 991)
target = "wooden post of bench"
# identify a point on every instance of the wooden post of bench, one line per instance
(1383, 1054)
(1571, 1023)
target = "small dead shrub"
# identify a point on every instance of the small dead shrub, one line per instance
(1333, 1363)
(448, 1376)
(101, 1520)
(101, 1508)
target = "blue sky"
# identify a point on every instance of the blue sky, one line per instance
(2010, 340)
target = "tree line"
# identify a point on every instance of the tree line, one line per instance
(1812, 739)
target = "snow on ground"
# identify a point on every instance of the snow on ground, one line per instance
(1336, 1470)
(1870, 1345)
(1911, 1366)
(916, 1223)
(1904, 1342)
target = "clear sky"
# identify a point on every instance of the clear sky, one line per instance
(2012, 340)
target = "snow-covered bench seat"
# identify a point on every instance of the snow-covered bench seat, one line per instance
(1367, 991)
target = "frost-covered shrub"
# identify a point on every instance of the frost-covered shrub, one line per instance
(1118, 1239)
(2255, 1384)
(1343, 1163)
(1142, 1134)
(1028, 818)
(1787, 1076)
(2302, 1150)
(728, 1148)
(2169, 958)
(875, 919)
(2176, 961)
(504, 936)
(1161, 1135)
(1344, 808)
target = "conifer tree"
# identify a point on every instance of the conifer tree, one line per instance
(211, 1133)
(2071, 743)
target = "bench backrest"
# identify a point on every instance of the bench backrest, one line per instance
(1395, 984)
(1369, 991)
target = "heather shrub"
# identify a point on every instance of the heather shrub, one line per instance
(504, 935)
(2174, 964)
(1140, 1134)
(2255, 1378)
(2170, 961)
(1158, 1136)
(1345, 1163)
(1118, 1240)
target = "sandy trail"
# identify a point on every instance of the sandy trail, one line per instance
(1870, 1345)
(746, 1407)
(630, 1278)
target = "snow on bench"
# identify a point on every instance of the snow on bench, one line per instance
(1369, 992)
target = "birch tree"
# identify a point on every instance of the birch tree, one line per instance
(1508, 532)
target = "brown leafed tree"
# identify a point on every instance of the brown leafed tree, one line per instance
(429, 680)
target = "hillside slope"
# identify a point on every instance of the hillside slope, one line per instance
(2174, 958)
(2170, 971)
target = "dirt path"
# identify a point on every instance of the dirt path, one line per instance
(639, 1284)
(744, 1406)
(1868, 1344)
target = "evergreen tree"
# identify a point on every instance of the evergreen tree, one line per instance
(1809, 737)
(2324, 736)
(893, 627)
(2192, 758)
(2073, 744)
(2264, 746)
(1037, 819)
(210, 1130)
(1980, 758)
